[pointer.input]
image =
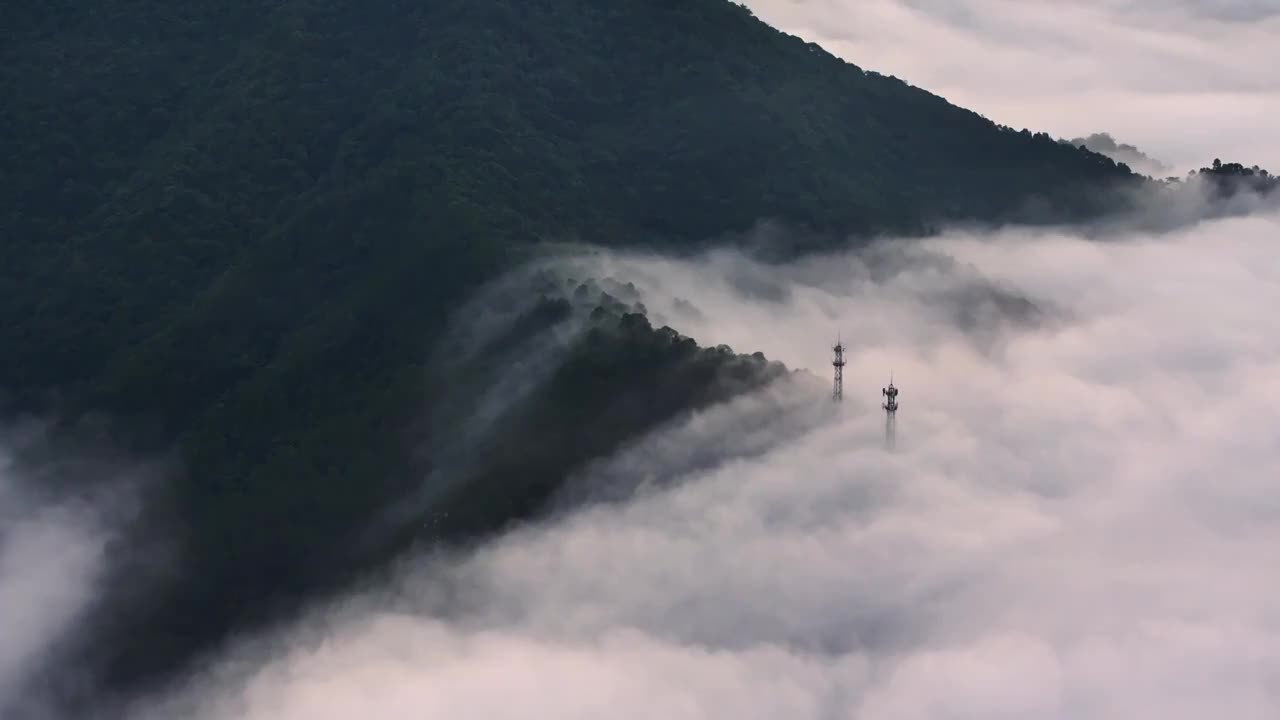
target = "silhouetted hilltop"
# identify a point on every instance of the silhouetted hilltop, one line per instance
(1232, 178)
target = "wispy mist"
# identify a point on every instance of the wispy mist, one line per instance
(1080, 520)
(73, 554)
(52, 556)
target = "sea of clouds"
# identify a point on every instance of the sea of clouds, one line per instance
(1080, 520)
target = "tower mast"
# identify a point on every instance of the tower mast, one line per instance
(890, 414)
(837, 388)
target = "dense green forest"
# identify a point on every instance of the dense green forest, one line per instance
(240, 228)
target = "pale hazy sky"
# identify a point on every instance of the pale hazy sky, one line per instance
(1184, 80)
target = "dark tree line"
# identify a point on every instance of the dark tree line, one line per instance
(1233, 177)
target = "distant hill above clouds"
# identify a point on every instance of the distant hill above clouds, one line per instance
(1138, 161)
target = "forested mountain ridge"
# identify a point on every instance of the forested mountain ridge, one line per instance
(162, 146)
(242, 227)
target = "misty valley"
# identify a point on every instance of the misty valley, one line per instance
(475, 360)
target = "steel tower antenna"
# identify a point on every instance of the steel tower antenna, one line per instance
(890, 414)
(837, 388)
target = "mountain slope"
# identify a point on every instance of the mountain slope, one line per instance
(242, 227)
(162, 146)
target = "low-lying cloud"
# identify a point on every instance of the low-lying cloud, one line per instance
(1080, 519)
(1186, 80)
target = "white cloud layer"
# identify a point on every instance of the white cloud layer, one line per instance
(1081, 520)
(1184, 80)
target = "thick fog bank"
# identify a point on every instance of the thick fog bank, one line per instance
(1081, 519)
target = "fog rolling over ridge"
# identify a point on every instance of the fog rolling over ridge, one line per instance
(1080, 520)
